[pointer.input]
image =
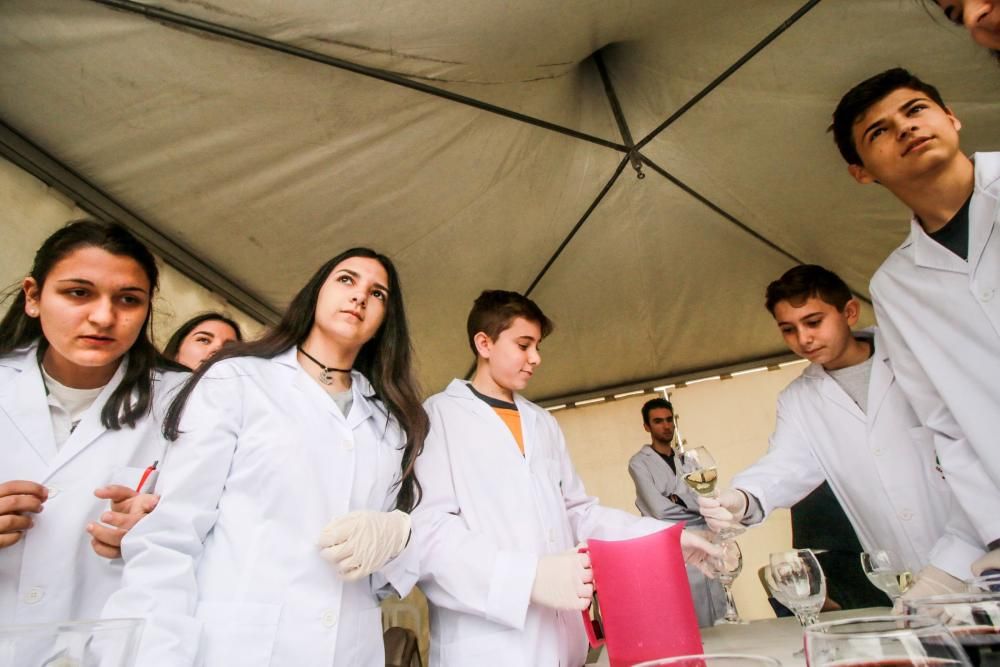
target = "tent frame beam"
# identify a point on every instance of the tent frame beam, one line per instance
(22, 152)
(728, 72)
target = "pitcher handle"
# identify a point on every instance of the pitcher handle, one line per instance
(595, 631)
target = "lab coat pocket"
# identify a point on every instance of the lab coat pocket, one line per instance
(494, 648)
(237, 633)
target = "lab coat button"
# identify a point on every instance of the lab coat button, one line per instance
(906, 515)
(53, 491)
(348, 444)
(328, 618)
(987, 294)
(34, 595)
(877, 451)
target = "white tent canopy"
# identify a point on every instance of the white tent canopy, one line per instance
(487, 145)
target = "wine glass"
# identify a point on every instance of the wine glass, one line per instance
(729, 565)
(889, 641)
(713, 660)
(701, 473)
(973, 618)
(796, 580)
(887, 572)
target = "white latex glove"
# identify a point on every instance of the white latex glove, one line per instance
(699, 551)
(991, 561)
(360, 543)
(563, 581)
(723, 511)
(930, 581)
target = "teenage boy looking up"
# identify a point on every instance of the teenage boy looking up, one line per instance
(502, 508)
(845, 420)
(937, 296)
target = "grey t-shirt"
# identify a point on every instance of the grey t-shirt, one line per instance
(344, 401)
(854, 381)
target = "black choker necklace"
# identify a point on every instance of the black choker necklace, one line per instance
(325, 376)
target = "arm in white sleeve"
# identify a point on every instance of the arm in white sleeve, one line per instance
(975, 490)
(787, 473)
(661, 507)
(461, 569)
(400, 574)
(586, 516)
(162, 551)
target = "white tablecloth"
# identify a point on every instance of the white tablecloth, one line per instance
(775, 637)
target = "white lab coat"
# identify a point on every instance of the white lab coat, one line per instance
(487, 515)
(940, 317)
(52, 574)
(227, 569)
(881, 467)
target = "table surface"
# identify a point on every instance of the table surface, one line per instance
(775, 637)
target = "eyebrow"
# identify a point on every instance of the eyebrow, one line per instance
(903, 107)
(529, 339)
(204, 333)
(90, 283)
(806, 316)
(356, 275)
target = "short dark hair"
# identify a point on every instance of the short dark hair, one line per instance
(495, 310)
(173, 345)
(805, 281)
(861, 97)
(655, 404)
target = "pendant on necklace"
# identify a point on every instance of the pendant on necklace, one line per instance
(325, 377)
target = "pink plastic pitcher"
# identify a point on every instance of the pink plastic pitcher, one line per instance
(646, 608)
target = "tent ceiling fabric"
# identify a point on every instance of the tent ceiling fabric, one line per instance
(264, 164)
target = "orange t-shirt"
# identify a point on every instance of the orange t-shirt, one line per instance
(507, 412)
(512, 418)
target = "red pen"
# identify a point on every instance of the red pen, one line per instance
(145, 476)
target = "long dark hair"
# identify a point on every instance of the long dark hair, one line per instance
(173, 345)
(17, 330)
(385, 360)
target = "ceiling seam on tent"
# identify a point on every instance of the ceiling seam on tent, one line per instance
(729, 71)
(177, 19)
(569, 237)
(732, 218)
(619, 114)
(27, 155)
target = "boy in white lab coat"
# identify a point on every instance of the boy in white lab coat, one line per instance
(845, 420)
(937, 296)
(503, 508)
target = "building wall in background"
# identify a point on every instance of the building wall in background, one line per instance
(732, 418)
(30, 211)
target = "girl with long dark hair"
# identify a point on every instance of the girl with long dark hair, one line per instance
(200, 337)
(286, 491)
(83, 393)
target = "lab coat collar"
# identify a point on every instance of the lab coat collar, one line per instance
(23, 400)
(363, 393)
(832, 391)
(882, 377)
(91, 427)
(984, 213)
(459, 389)
(930, 254)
